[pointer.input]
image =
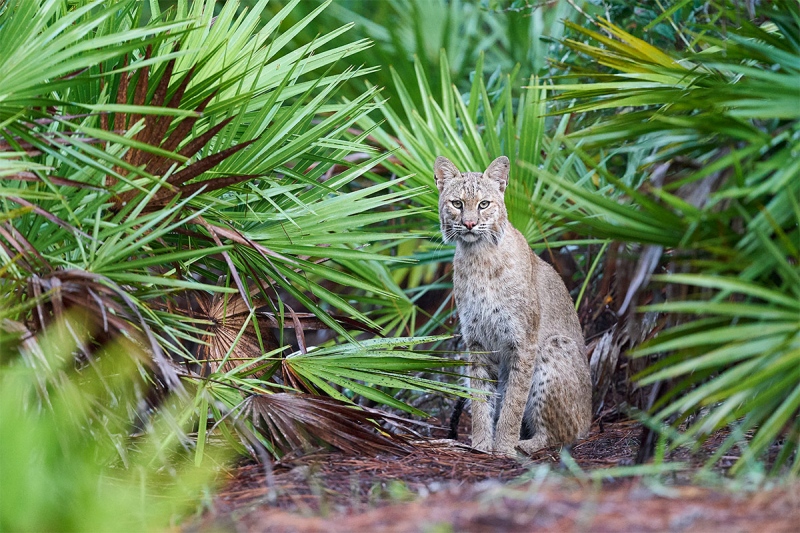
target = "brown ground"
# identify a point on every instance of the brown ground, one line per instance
(447, 486)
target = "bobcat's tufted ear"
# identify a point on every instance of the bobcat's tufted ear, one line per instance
(443, 170)
(498, 171)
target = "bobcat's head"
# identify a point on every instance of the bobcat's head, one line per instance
(471, 205)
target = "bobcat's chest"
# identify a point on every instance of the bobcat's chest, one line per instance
(492, 301)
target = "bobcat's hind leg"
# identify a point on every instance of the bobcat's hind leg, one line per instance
(567, 413)
(534, 434)
(559, 403)
(536, 443)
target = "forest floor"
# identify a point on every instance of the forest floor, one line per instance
(443, 486)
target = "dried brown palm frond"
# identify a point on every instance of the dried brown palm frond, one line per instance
(17, 338)
(293, 422)
(99, 310)
(240, 331)
(234, 335)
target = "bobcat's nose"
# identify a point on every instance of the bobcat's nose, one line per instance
(469, 224)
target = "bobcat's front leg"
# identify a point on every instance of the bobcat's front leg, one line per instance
(520, 378)
(482, 405)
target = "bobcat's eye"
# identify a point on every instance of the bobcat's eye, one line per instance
(484, 204)
(457, 204)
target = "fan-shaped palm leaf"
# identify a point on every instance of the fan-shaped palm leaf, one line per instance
(714, 129)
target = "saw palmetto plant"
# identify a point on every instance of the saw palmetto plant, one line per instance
(184, 182)
(715, 131)
(403, 32)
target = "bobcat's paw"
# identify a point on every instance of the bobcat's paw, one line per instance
(505, 449)
(484, 445)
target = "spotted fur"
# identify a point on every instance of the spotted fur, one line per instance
(517, 318)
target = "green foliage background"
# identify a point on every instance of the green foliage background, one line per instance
(187, 187)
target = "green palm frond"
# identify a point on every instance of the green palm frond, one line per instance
(711, 107)
(358, 368)
(753, 354)
(446, 37)
(710, 133)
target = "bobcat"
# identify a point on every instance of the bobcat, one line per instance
(517, 319)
